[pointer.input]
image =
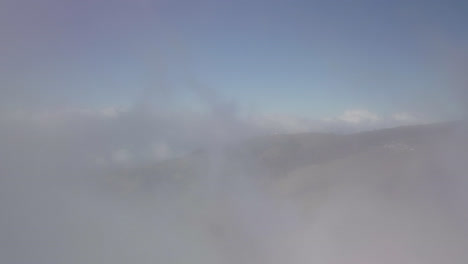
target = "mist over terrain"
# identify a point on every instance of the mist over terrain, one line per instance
(71, 194)
(233, 132)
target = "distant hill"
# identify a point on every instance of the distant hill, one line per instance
(298, 160)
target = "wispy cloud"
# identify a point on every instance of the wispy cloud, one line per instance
(359, 117)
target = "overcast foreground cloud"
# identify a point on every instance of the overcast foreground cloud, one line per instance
(65, 201)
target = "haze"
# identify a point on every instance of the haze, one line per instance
(233, 132)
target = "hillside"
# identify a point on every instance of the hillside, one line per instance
(284, 158)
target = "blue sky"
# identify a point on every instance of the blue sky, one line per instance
(307, 58)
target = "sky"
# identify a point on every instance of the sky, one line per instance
(307, 59)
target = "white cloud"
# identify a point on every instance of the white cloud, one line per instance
(359, 116)
(350, 121)
(280, 123)
(121, 156)
(127, 136)
(356, 120)
(112, 112)
(161, 151)
(404, 117)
